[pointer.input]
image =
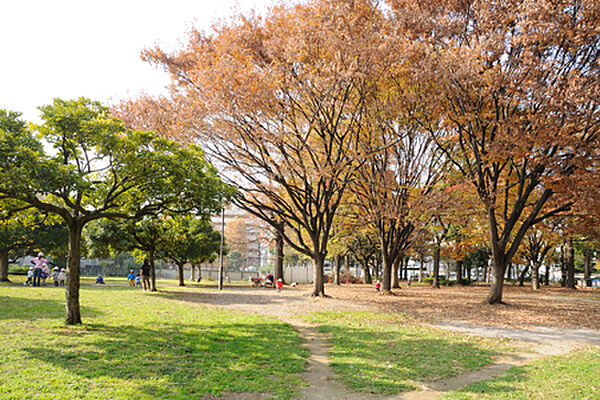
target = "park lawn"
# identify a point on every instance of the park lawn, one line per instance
(139, 345)
(390, 353)
(574, 376)
(163, 282)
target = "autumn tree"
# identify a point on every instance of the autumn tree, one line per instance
(401, 170)
(98, 169)
(347, 235)
(278, 102)
(236, 236)
(538, 242)
(517, 93)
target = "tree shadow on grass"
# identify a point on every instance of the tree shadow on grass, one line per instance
(388, 361)
(181, 361)
(27, 308)
(502, 384)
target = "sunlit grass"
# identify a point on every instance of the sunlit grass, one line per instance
(391, 353)
(139, 345)
(574, 376)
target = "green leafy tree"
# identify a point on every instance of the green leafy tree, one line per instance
(108, 238)
(28, 230)
(98, 169)
(189, 240)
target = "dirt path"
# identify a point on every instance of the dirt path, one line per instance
(319, 375)
(541, 342)
(289, 304)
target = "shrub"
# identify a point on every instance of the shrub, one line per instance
(15, 269)
(443, 281)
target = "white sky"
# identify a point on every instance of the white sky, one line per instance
(91, 48)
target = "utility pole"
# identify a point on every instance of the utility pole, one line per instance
(221, 248)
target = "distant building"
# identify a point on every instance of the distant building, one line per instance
(257, 253)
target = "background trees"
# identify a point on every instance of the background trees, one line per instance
(25, 231)
(189, 240)
(517, 85)
(97, 169)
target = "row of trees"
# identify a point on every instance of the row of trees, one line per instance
(393, 119)
(82, 165)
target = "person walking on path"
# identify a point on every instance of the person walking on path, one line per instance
(145, 272)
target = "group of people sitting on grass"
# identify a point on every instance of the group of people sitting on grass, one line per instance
(40, 272)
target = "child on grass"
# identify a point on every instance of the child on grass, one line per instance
(29, 277)
(62, 277)
(55, 274)
(279, 284)
(131, 278)
(138, 282)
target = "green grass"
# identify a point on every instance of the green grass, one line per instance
(160, 282)
(575, 376)
(389, 353)
(138, 345)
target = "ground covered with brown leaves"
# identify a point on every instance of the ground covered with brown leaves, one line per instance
(523, 308)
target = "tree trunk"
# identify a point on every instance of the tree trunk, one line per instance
(396, 267)
(459, 273)
(535, 277)
(193, 273)
(563, 267)
(421, 268)
(547, 277)
(587, 271)
(180, 269)
(509, 271)
(348, 262)
(336, 269)
(319, 286)
(73, 313)
(4, 266)
(387, 273)
(279, 254)
(570, 265)
(498, 269)
(367, 271)
(436, 267)
(522, 275)
(152, 271)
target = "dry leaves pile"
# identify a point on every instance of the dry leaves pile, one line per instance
(524, 308)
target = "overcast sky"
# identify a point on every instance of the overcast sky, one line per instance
(72, 48)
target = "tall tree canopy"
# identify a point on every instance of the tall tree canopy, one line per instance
(278, 101)
(515, 86)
